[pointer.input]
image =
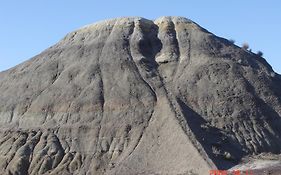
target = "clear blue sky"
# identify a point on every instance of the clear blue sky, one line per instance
(28, 27)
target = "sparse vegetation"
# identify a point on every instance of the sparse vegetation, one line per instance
(245, 46)
(215, 150)
(204, 126)
(232, 41)
(259, 53)
(227, 156)
(272, 74)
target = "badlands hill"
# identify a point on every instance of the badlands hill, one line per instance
(135, 96)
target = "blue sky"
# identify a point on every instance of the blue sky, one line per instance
(28, 27)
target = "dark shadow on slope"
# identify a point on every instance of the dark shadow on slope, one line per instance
(224, 151)
(149, 45)
(269, 115)
(275, 85)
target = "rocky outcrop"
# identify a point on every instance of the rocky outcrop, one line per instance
(134, 96)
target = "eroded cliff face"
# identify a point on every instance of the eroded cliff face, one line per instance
(134, 96)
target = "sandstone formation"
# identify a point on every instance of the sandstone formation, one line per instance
(135, 96)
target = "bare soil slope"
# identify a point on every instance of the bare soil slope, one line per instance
(134, 96)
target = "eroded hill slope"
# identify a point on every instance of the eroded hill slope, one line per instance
(134, 96)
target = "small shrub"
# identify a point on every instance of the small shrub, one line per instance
(227, 156)
(215, 150)
(245, 46)
(232, 41)
(204, 126)
(259, 53)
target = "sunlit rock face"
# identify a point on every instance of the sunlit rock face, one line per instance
(135, 96)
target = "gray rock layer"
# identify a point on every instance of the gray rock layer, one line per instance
(134, 96)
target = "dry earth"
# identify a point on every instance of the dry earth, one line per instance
(135, 96)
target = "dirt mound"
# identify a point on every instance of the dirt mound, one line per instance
(134, 96)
